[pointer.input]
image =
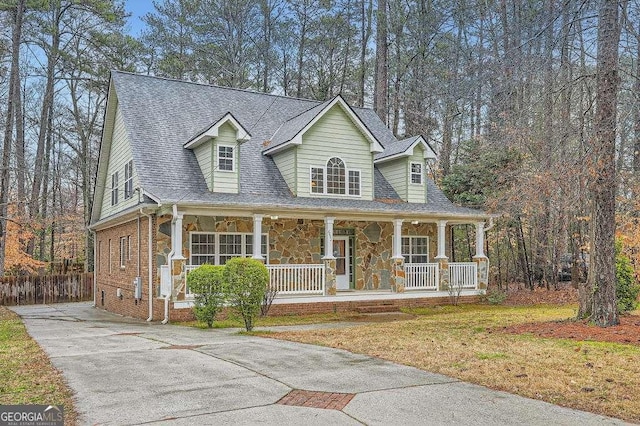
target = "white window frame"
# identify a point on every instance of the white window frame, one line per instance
(128, 180)
(359, 187)
(216, 243)
(419, 174)
(233, 158)
(114, 188)
(409, 255)
(324, 180)
(124, 251)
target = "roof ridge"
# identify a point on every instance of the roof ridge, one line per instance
(254, 92)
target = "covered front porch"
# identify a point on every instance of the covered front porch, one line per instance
(314, 256)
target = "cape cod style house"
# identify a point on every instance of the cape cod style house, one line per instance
(338, 209)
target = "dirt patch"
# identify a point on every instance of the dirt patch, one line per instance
(518, 295)
(628, 331)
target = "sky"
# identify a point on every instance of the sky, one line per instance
(137, 9)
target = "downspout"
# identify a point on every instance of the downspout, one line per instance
(150, 263)
(95, 269)
(170, 259)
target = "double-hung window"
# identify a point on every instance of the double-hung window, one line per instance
(415, 249)
(128, 180)
(416, 173)
(225, 158)
(114, 189)
(335, 179)
(216, 248)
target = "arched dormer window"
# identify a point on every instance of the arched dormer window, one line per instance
(335, 179)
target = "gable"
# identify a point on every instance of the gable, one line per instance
(334, 135)
(117, 153)
(291, 132)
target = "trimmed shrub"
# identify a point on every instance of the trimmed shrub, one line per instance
(627, 288)
(207, 284)
(246, 282)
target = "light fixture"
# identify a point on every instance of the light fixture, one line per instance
(274, 217)
(414, 222)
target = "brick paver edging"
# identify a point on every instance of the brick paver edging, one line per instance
(313, 399)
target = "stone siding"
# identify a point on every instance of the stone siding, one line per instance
(298, 241)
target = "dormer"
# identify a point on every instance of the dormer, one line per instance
(326, 151)
(404, 164)
(217, 149)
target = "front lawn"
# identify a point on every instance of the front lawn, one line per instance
(470, 343)
(26, 375)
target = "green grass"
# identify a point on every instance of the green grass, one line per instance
(26, 374)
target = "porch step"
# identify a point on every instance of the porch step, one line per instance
(376, 309)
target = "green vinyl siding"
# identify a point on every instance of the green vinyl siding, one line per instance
(119, 155)
(395, 172)
(226, 181)
(335, 135)
(416, 193)
(286, 162)
(204, 154)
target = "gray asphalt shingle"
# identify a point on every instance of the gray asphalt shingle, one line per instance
(162, 114)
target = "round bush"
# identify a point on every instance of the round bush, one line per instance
(246, 282)
(207, 284)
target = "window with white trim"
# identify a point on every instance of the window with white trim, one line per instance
(128, 180)
(114, 189)
(335, 179)
(225, 158)
(354, 182)
(415, 249)
(216, 248)
(416, 173)
(124, 251)
(317, 180)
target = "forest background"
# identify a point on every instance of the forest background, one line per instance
(504, 90)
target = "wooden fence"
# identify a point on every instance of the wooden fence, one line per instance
(45, 289)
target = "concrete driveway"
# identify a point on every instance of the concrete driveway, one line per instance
(125, 371)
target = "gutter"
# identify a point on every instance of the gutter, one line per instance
(150, 263)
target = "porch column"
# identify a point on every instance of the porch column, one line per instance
(329, 259)
(397, 261)
(441, 258)
(178, 261)
(481, 260)
(479, 239)
(257, 237)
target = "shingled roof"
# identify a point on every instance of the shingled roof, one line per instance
(162, 114)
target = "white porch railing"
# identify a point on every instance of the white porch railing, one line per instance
(421, 276)
(297, 279)
(285, 279)
(463, 275)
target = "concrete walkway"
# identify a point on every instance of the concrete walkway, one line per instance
(125, 371)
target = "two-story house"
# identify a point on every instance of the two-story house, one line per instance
(337, 208)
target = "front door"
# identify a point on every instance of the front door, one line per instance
(341, 253)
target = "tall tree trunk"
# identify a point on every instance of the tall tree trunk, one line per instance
(636, 127)
(365, 33)
(602, 171)
(21, 169)
(14, 92)
(382, 64)
(45, 119)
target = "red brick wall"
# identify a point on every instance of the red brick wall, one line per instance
(177, 315)
(110, 275)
